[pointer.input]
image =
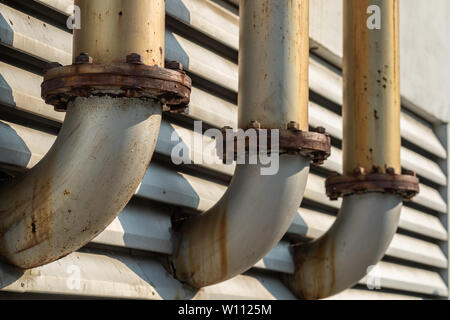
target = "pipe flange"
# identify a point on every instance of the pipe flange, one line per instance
(132, 79)
(406, 185)
(313, 145)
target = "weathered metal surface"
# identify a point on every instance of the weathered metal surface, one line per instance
(105, 144)
(357, 240)
(53, 211)
(371, 115)
(132, 79)
(273, 62)
(210, 108)
(313, 145)
(406, 186)
(46, 42)
(113, 29)
(371, 108)
(214, 247)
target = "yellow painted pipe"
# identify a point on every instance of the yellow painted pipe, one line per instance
(371, 110)
(112, 29)
(102, 151)
(366, 223)
(273, 61)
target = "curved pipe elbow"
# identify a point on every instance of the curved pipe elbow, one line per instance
(249, 220)
(84, 181)
(357, 240)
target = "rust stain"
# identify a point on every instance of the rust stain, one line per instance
(223, 243)
(213, 266)
(321, 266)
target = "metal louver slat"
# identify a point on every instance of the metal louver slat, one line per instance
(147, 227)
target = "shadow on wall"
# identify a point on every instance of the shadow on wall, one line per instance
(6, 32)
(9, 275)
(174, 51)
(176, 8)
(13, 153)
(13, 150)
(170, 189)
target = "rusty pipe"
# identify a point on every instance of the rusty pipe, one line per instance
(112, 29)
(102, 151)
(366, 223)
(256, 210)
(371, 113)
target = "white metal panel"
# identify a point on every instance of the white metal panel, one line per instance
(129, 230)
(422, 223)
(196, 59)
(162, 184)
(402, 247)
(201, 61)
(358, 294)
(57, 5)
(34, 37)
(411, 279)
(208, 17)
(390, 276)
(118, 275)
(145, 228)
(21, 89)
(21, 146)
(211, 109)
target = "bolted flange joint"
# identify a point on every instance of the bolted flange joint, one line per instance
(292, 140)
(406, 185)
(133, 79)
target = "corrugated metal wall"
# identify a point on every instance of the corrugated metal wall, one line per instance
(125, 260)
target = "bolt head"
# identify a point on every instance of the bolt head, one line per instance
(134, 58)
(254, 125)
(293, 125)
(52, 65)
(225, 130)
(334, 196)
(318, 162)
(174, 65)
(360, 171)
(410, 173)
(321, 130)
(83, 58)
(390, 171)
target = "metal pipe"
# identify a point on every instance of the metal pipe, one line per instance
(366, 223)
(102, 152)
(112, 29)
(273, 63)
(371, 113)
(256, 210)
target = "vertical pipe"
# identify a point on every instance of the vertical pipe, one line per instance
(112, 29)
(371, 111)
(366, 222)
(273, 61)
(102, 151)
(256, 211)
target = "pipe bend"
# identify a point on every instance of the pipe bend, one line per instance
(247, 222)
(85, 180)
(357, 240)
